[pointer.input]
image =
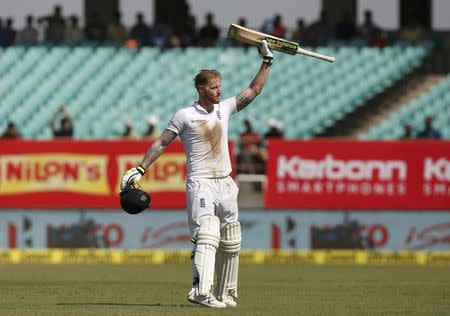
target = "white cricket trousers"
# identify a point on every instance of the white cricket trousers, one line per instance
(209, 197)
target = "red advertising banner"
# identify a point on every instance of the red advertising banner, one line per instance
(85, 174)
(340, 174)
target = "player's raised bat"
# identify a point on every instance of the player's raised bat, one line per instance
(253, 37)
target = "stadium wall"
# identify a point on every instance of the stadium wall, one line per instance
(262, 230)
(63, 195)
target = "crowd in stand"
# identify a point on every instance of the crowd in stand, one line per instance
(152, 131)
(56, 28)
(429, 131)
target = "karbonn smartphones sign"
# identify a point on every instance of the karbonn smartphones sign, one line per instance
(358, 175)
(72, 174)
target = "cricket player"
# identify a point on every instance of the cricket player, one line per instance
(211, 193)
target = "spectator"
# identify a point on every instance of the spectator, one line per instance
(279, 30)
(131, 44)
(95, 29)
(299, 34)
(249, 136)
(175, 40)
(408, 131)
(209, 33)
(29, 34)
(117, 32)
(275, 129)
(152, 129)
(10, 32)
(183, 27)
(429, 132)
(2, 34)
(345, 28)
(73, 33)
(130, 132)
(11, 132)
(55, 25)
(413, 32)
(242, 22)
(140, 31)
(250, 157)
(235, 43)
(65, 129)
(162, 37)
(267, 26)
(275, 132)
(190, 36)
(368, 27)
(377, 39)
(320, 31)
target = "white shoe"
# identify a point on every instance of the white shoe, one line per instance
(229, 300)
(205, 300)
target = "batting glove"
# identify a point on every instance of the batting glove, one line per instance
(131, 177)
(265, 53)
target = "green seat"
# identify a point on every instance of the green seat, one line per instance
(102, 82)
(435, 102)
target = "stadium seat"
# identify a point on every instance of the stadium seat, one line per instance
(105, 84)
(435, 102)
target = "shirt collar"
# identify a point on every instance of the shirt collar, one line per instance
(201, 109)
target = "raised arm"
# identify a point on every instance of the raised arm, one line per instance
(153, 152)
(254, 89)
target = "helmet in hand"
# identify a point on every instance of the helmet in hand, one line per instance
(134, 200)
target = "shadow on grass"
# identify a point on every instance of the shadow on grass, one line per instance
(126, 304)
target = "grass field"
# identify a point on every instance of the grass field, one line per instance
(264, 290)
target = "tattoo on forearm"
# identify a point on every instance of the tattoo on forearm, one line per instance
(244, 98)
(157, 148)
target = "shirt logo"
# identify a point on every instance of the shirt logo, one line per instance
(202, 202)
(218, 115)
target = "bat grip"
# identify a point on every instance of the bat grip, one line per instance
(315, 55)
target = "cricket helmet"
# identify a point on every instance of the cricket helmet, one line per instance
(134, 200)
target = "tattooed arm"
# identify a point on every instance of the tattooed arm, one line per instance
(133, 175)
(248, 95)
(157, 148)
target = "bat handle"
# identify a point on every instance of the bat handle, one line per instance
(315, 55)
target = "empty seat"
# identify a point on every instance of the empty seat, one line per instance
(110, 85)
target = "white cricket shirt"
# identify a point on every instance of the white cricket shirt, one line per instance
(205, 138)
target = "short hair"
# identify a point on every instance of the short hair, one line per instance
(205, 75)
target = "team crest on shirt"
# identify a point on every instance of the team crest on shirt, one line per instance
(218, 115)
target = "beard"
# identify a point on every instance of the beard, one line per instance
(214, 99)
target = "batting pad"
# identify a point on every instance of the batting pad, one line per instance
(208, 239)
(227, 261)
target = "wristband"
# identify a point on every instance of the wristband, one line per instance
(268, 61)
(140, 169)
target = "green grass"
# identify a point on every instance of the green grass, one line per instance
(263, 290)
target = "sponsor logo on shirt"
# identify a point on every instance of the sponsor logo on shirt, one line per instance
(198, 121)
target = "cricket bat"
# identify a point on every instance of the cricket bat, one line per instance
(254, 38)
